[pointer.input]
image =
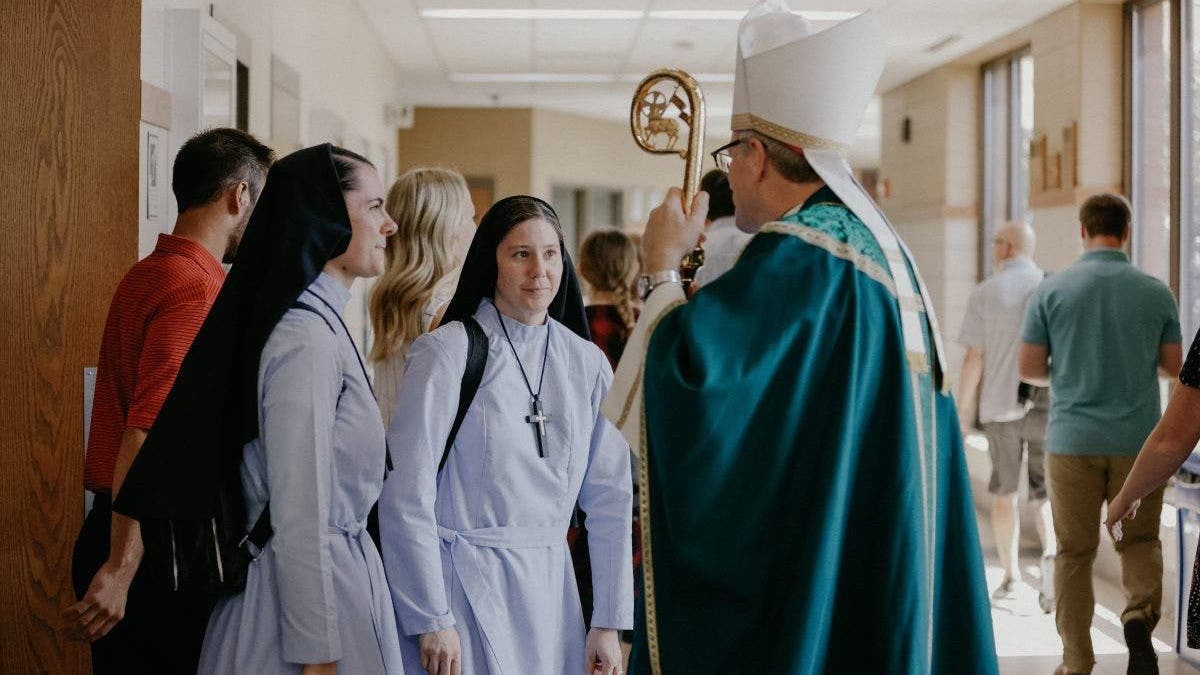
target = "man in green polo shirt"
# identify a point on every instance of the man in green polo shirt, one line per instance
(1100, 333)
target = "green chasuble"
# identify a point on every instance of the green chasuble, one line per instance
(807, 506)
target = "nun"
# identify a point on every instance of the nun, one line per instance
(476, 552)
(274, 387)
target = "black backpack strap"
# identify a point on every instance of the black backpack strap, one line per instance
(260, 533)
(477, 353)
(298, 304)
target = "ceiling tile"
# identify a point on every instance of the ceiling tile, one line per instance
(635, 47)
(577, 63)
(473, 4)
(591, 4)
(690, 45)
(795, 5)
(742, 5)
(483, 46)
(601, 37)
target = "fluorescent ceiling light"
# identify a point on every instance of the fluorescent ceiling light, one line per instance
(615, 14)
(737, 14)
(551, 14)
(571, 78)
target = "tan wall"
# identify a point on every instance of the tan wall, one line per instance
(71, 102)
(575, 150)
(933, 185)
(528, 151)
(1078, 58)
(483, 142)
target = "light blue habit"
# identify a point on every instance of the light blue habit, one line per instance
(317, 594)
(482, 546)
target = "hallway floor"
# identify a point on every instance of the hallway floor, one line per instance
(1027, 641)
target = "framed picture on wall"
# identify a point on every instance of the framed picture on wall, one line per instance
(153, 185)
(154, 139)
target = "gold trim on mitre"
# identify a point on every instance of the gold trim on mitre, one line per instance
(750, 121)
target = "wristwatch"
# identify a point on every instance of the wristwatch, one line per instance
(648, 282)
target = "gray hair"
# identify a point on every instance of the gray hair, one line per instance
(790, 163)
(1020, 236)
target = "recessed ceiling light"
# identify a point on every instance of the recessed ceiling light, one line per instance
(548, 14)
(942, 44)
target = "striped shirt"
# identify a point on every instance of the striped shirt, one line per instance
(154, 316)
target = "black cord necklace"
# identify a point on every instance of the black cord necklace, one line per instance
(536, 418)
(387, 452)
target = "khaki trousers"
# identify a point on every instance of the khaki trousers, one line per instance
(1079, 484)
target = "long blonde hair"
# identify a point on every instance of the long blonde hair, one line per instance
(431, 207)
(608, 259)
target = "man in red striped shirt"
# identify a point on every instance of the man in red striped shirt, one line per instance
(154, 316)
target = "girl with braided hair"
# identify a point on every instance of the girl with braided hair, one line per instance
(608, 263)
(609, 266)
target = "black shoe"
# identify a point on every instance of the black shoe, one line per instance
(1142, 659)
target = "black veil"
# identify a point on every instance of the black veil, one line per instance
(299, 223)
(479, 270)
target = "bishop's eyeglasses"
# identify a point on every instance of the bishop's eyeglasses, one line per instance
(721, 156)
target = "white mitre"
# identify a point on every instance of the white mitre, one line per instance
(809, 91)
(803, 89)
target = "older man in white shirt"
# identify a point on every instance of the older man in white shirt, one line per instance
(1014, 423)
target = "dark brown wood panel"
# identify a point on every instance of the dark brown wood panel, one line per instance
(69, 107)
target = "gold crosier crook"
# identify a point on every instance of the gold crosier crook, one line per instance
(658, 134)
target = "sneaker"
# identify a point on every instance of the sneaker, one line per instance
(1006, 590)
(1142, 659)
(1046, 587)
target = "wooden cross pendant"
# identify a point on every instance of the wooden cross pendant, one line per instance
(538, 419)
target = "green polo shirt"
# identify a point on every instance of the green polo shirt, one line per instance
(1103, 321)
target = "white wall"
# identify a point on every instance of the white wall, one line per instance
(344, 70)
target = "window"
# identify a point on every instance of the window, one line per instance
(1189, 128)
(582, 209)
(1007, 131)
(1163, 174)
(1151, 142)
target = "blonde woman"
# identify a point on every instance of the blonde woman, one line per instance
(433, 210)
